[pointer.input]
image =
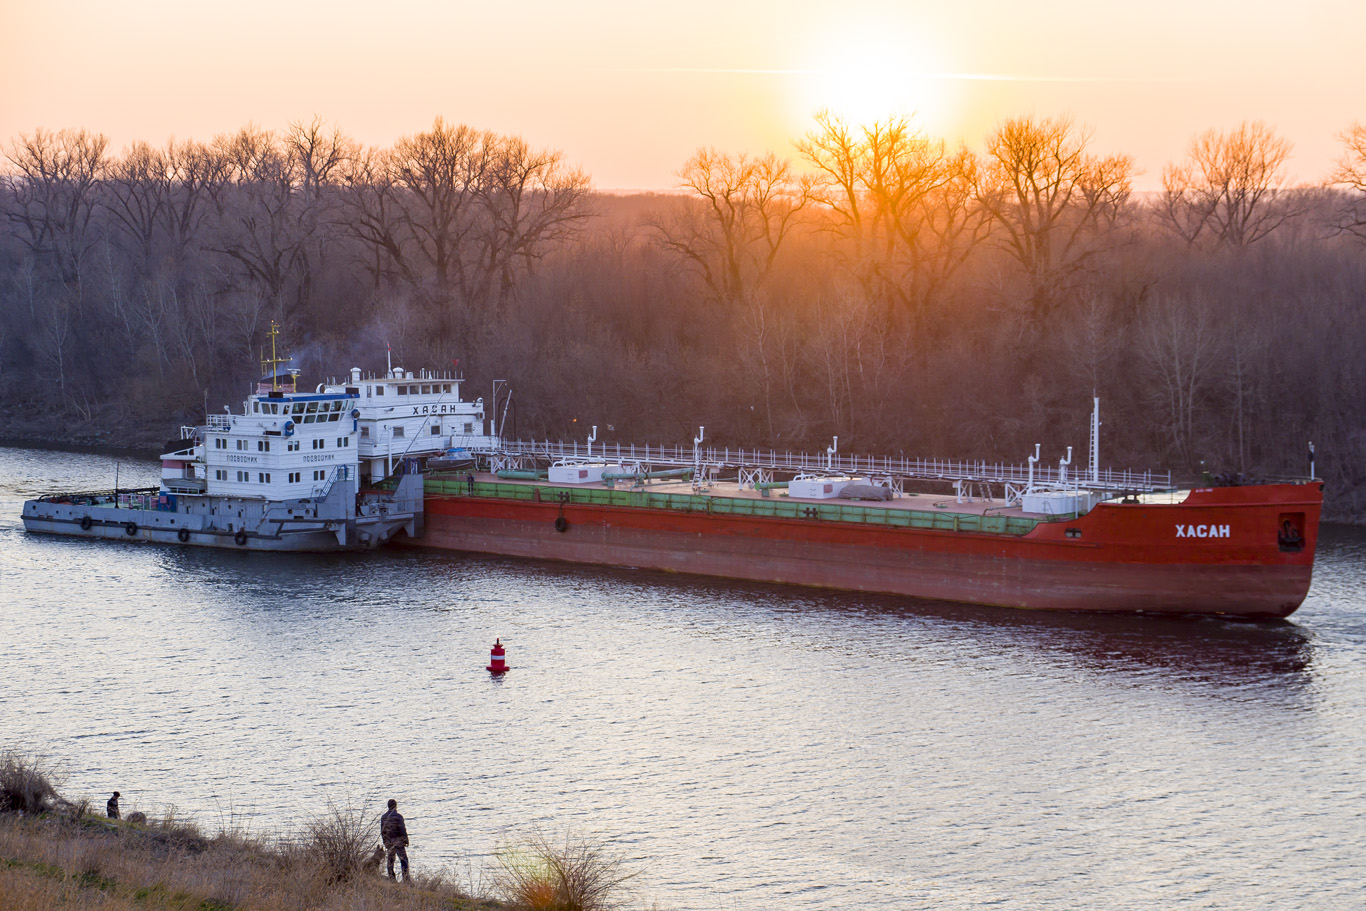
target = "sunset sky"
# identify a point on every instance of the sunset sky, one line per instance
(629, 88)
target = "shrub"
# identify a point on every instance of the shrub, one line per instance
(337, 841)
(581, 874)
(25, 784)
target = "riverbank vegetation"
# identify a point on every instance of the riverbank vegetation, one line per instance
(58, 853)
(881, 286)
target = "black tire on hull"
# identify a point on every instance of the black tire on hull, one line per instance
(130, 528)
(86, 522)
(183, 535)
(240, 537)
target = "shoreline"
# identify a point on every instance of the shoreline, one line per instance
(59, 852)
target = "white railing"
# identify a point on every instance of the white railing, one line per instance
(950, 470)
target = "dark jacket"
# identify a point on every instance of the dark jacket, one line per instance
(392, 831)
(112, 808)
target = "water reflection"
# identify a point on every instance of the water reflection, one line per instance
(1210, 650)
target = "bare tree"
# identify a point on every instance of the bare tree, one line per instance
(1351, 175)
(373, 213)
(139, 185)
(1230, 188)
(259, 207)
(901, 204)
(198, 174)
(52, 198)
(438, 176)
(532, 202)
(744, 209)
(1179, 342)
(1049, 197)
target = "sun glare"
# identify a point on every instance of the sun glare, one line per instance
(868, 81)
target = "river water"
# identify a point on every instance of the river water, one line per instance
(746, 746)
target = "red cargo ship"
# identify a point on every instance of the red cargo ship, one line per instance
(1103, 542)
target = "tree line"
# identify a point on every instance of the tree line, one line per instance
(882, 286)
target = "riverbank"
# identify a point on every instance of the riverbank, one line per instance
(56, 852)
(104, 433)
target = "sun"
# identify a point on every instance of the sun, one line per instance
(872, 80)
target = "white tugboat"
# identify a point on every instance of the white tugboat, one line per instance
(415, 417)
(283, 475)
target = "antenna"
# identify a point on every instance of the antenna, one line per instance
(1095, 439)
(273, 362)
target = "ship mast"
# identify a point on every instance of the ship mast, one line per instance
(273, 361)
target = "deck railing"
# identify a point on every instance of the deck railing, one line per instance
(949, 470)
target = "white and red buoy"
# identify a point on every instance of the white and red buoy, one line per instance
(497, 658)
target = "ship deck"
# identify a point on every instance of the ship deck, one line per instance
(946, 504)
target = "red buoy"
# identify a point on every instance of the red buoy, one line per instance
(497, 663)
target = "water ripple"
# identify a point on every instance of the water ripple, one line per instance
(749, 746)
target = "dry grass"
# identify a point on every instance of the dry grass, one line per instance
(338, 842)
(54, 853)
(578, 874)
(26, 784)
(95, 863)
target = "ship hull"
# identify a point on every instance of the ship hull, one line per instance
(1215, 553)
(269, 526)
(303, 541)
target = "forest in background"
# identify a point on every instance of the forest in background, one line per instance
(909, 297)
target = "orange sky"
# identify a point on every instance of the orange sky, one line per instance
(629, 88)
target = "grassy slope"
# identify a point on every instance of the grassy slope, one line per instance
(89, 862)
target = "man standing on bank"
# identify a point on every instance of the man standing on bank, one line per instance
(112, 807)
(394, 834)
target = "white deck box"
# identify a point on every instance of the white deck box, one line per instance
(816, 488)
(580, 474)
(1058, 502)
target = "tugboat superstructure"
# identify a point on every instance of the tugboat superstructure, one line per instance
(282, 475)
